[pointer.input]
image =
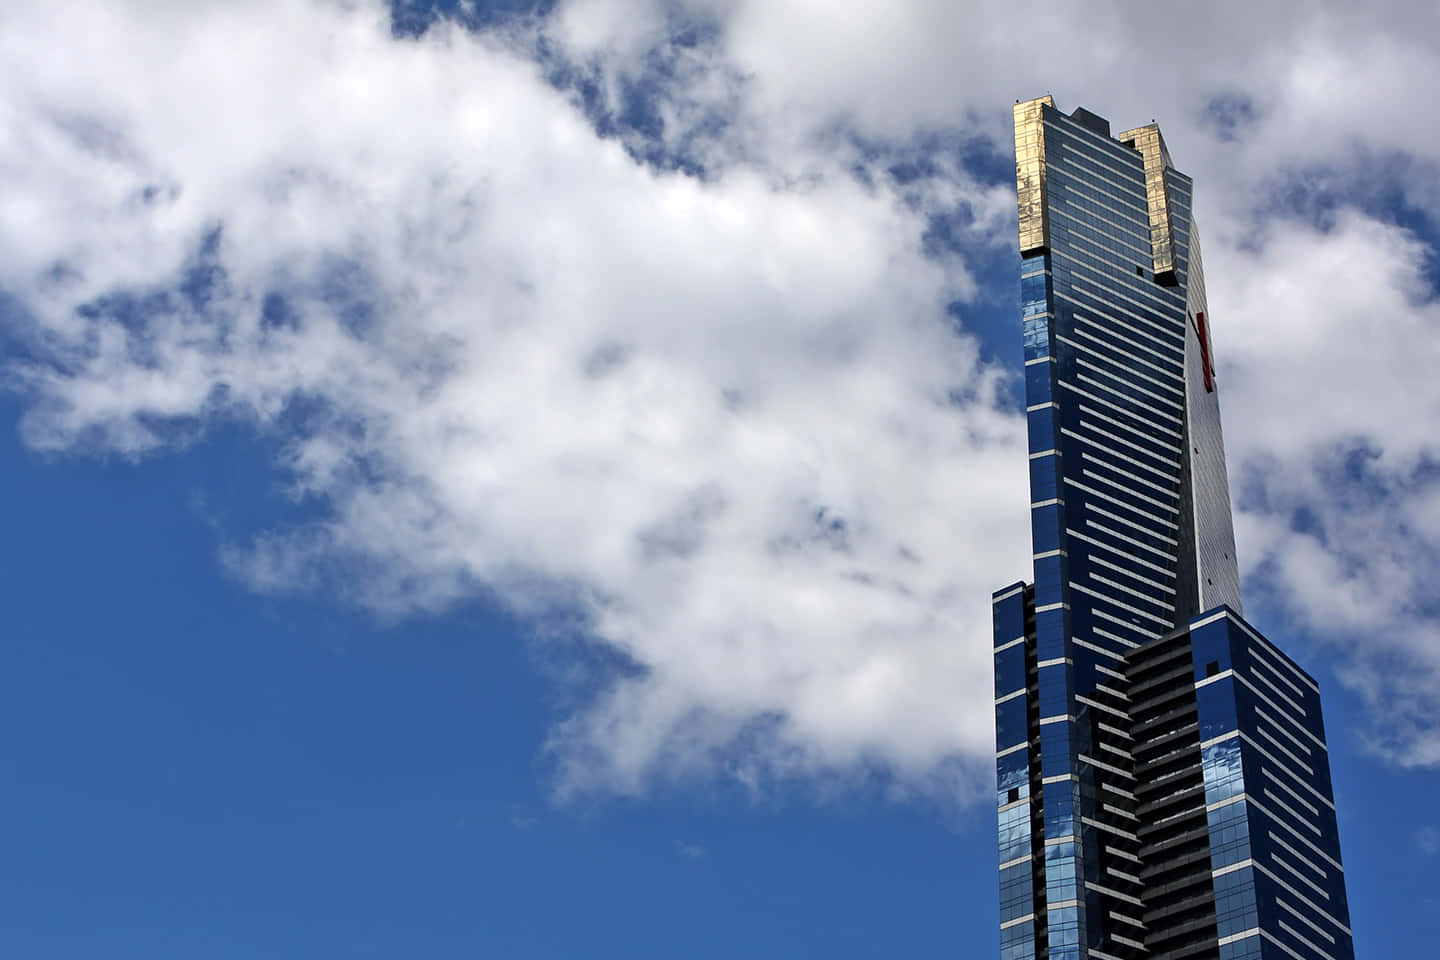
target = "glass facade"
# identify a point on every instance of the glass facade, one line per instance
(1132, 760)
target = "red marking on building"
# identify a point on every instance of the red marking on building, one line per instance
(1204, 336)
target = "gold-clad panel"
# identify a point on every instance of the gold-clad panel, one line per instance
(1030, 174)
(1162, 231)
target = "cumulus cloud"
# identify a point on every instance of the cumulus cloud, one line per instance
(621, 316)
(724, 427)
(1332, 337)
(1322, 77)
(1313, 174)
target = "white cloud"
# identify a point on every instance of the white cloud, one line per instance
(1326, 77)
(690, 851)
(1326, 353)
(710, 419)
(1325, 322)
(715, 421)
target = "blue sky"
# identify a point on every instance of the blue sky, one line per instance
(531, 484)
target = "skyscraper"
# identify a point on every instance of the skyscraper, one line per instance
(1163, 781)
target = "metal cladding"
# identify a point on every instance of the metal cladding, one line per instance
(1158, 167)
(1163, 784)
(1030, 175)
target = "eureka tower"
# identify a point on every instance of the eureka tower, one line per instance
(1163, 781)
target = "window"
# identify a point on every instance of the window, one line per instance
(1211, 669)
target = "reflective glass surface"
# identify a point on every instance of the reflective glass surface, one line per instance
(1162, 778)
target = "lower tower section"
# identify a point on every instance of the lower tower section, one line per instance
(1024, 930)
(1174, 834)
(1205, 826)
